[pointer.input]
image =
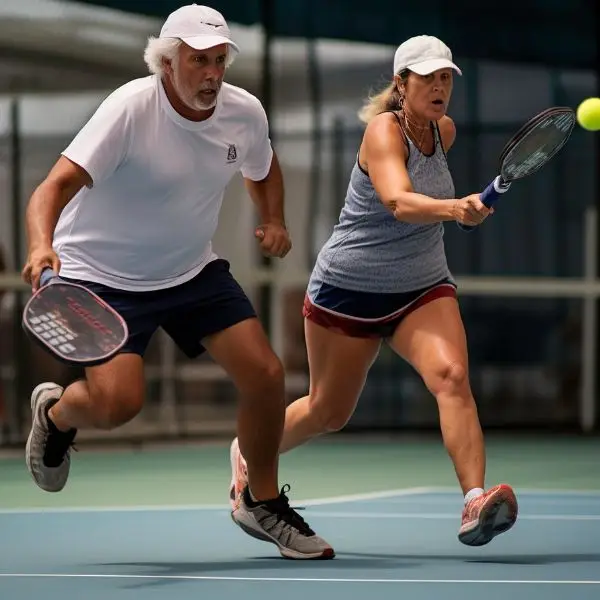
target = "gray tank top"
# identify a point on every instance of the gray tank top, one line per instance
(371, 251)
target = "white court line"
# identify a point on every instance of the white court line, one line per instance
(214, 507)
(297, 579)
(348, 498)
(397, 515)
(415, 491)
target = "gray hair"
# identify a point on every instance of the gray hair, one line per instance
(160, 49)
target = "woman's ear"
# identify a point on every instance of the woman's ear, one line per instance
(400, 84)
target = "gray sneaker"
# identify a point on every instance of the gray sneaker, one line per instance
(48, 450)
(275, 521)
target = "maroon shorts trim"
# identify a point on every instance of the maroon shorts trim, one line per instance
(372, 328)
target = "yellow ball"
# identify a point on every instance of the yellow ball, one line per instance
(588, 114)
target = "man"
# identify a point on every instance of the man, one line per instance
(129, 210)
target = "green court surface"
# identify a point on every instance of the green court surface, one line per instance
(154, 524)
(199, 474)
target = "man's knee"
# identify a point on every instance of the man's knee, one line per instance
(265, 375)
(114, 406)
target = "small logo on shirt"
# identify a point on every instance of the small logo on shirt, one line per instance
(231, 153)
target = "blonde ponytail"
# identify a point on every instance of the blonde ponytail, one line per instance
(387, 99)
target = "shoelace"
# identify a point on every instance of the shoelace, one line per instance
(284, 512)
(58, 445)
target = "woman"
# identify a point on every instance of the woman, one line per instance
(382, 275)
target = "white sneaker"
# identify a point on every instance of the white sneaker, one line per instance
(48, 450)
(239, 474)
(275, 521)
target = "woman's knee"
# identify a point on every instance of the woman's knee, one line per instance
(330, 412)
(449, 379)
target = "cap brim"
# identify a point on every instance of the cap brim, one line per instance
(203, 42)
(429, 66)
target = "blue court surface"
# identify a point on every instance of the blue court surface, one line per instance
(397, 544)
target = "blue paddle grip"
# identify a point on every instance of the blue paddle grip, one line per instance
(47, 275)
(489, 197)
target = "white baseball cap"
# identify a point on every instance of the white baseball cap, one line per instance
(200, 27)
(423, 54)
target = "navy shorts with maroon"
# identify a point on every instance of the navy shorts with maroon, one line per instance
(366, 314)
(210, 302)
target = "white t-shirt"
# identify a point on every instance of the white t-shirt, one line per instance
(158, 183)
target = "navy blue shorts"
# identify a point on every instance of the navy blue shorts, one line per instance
(210, 302)
(367, 314)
